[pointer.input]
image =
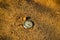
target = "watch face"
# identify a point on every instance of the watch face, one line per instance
(28, 24)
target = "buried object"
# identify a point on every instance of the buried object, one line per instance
(28, 24)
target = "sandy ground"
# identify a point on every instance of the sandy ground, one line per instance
(44, 13)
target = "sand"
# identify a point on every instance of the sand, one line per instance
(44, 14)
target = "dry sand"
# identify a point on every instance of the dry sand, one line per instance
(44, 13)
